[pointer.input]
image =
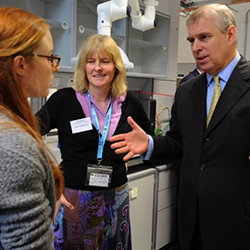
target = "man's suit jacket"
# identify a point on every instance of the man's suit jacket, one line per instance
(191, 75)
(215, 173)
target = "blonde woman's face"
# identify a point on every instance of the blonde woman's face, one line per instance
(100, 70)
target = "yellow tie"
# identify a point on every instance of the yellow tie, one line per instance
(216, 96)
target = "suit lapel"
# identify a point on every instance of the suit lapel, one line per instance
(196, 72)
(235, 88)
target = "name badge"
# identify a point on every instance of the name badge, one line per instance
(81, 125)
(98, 175)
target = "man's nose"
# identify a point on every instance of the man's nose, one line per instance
(196, 46)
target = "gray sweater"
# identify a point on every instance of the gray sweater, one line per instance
(27, 192)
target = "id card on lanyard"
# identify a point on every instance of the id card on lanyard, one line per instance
(97, 174)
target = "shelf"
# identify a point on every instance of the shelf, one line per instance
(135, 74)
(87, 32)
(145, 44)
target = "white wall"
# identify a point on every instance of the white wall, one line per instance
(186, 62)
(242, 13)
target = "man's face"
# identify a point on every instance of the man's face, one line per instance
(211, 49)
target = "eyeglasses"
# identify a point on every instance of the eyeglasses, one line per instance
(55, 60)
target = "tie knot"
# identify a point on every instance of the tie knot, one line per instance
(217, 80)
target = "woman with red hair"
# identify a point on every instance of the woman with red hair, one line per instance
(29, 180)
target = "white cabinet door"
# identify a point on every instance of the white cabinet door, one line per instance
(165, 226)
(142, 208)
(166, 206)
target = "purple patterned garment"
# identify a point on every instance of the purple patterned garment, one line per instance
(100, 220)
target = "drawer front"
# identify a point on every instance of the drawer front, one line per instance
(166, 198)
(167, 178)
(165, 227)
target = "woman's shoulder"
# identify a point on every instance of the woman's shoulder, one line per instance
(22, 162)
(12, 134)
(61, 98)
(64, 92)
(133, 99)
(17, 144)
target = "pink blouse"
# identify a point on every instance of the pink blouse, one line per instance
(116, 110)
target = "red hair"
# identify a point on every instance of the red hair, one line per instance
(21, 33)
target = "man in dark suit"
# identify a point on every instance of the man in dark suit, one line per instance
(214, 197)
(175, 245)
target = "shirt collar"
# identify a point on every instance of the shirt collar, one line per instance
(226, 72)
(199, 71)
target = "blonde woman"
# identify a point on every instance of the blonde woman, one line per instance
(86, 116)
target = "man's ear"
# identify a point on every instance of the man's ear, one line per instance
(19, 65)
(232, 34)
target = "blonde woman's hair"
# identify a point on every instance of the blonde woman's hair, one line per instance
(95, 44)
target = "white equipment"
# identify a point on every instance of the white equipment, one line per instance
(113, 10)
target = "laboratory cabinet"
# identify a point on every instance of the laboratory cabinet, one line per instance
(72, 21)
(153, 195)
(59, 14)
(166, 206)
(148, 50)
(142, 208)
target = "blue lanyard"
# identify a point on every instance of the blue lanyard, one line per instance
(102, 138)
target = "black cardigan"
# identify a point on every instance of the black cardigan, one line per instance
(80, 149)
